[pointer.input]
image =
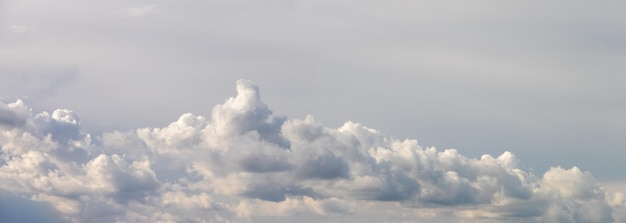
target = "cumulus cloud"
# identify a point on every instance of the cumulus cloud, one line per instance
(14, 115)
(243, 163)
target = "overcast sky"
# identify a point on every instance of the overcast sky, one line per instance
(541, 80)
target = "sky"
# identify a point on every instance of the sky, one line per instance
(342, 110)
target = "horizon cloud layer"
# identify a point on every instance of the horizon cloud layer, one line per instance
(243, 163)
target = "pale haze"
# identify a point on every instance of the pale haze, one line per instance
(309, 111)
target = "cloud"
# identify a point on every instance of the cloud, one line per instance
(17, 209)
(20, 28)
(138, 11)
(247, 113)
(13, 114)
(244, 164)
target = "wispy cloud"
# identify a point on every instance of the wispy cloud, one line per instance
(137, 11)
(20, 28)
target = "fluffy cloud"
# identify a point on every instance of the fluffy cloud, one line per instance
(13, 115)
(244, 163)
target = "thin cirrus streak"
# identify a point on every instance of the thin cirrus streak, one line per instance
(245, 164)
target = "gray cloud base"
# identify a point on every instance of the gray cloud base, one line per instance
(244, 164)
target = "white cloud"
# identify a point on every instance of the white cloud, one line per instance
(138, 11)
(244, 163)
(14, 114)
(20, 28)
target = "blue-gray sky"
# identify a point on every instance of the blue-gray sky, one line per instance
(543, 80)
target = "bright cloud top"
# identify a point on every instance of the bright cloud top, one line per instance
(246, 164)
